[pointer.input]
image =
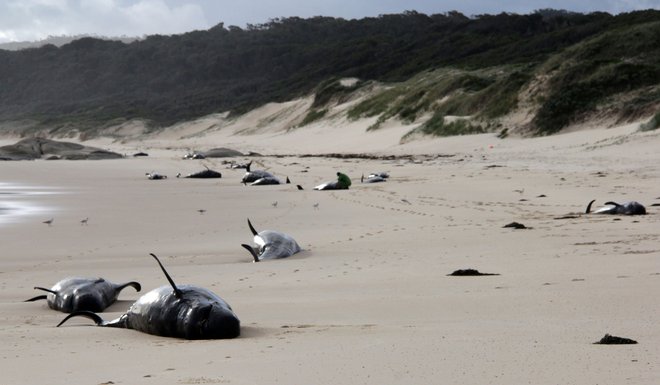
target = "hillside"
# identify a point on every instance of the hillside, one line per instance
(447, 73)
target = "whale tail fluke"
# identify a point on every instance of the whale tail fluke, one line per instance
(589, 206)
(84, 313)
(37, 298)
(251, 250)
(133, 284)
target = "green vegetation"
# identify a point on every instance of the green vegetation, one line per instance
(438, 126)
(618, 61)
(652, 124)
(428, 65)
(313, 115)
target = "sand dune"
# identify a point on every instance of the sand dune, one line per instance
(369, 299)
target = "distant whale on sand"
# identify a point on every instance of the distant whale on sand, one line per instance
(272, 244)
(626, 208)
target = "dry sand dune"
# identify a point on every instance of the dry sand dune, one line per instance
(368, 301)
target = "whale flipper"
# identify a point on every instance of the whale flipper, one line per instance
(252, 251)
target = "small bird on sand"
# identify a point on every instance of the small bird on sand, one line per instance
(84, 221)
(274, 204)
(201, 211)
(49, 222)
(316, 205)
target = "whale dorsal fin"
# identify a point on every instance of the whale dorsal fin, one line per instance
(177, 292)
(254, 232)
(589, 207)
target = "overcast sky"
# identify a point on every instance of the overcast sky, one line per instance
(29, 20)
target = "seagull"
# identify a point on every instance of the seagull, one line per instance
(274, 204)
(84, 221)
(49, 222)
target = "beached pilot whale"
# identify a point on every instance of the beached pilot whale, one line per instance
(343, 182)
(267, 180)
(155, 176)
(626, 208)
(74, 294)
(374, 178)
(258, 177)
(205, 174)
(272, 245)
(183, 311)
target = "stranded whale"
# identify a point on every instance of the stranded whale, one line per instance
(183, 311)
(626, 208)
(74, 294)
(272, 244)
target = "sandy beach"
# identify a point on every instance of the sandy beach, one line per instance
(369, 300)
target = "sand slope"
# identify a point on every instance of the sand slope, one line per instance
(368, 301)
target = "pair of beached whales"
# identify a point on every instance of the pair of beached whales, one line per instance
(181, 311)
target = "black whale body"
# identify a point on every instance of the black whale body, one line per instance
(185, 311)
(75, 293)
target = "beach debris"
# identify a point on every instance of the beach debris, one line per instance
(614, 340)
(138, 154)
(469, 273)
(299, 187)
(515, 225)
